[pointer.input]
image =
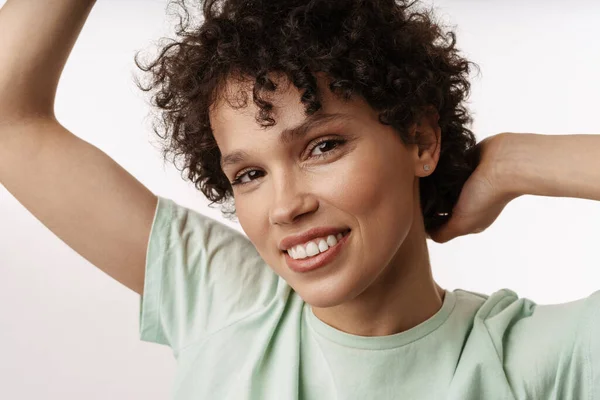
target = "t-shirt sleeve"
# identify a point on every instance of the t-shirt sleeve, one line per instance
(550, 351)
(201, 276)
(593, 342)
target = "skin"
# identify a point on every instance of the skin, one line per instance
(381, 283)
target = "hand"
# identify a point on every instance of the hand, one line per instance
(482, 197)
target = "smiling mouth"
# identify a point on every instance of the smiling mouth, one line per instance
(344, 234)
(320, 260)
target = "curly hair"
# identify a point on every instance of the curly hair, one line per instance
(394, 55)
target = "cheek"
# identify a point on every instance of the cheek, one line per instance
(364, 183)
(377, 193)
(252, 220)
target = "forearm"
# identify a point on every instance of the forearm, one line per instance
(551, 165)
(36, 38)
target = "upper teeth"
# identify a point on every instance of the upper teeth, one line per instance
(313, 247)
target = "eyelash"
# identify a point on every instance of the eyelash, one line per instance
(338, 142)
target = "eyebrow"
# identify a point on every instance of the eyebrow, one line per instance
(288, 135)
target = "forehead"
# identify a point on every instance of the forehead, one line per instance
(233, 115)
(235, 111)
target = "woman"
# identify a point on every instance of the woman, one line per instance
(336, 123)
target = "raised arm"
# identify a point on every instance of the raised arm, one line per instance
(75, 189)
(551, 165)
(517, 164)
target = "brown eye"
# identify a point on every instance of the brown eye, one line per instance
(327, 146)
(252, 173)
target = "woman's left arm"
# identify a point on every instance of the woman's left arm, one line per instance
(517, 164)
(550, 165)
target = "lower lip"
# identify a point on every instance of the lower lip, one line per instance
(320, 260)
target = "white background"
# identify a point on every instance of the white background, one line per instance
(68, 331)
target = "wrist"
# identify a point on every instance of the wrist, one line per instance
(509, 158)
(546, 165)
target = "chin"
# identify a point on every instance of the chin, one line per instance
(323, 297)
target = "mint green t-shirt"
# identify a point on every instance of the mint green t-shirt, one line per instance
(239, 332)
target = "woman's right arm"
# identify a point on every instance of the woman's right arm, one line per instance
(76, 190)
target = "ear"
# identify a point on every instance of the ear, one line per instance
(428, 135)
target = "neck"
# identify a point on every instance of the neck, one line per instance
(403, 296)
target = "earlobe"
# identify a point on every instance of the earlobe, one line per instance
(429, 158)
(427, 134)
(432, 139)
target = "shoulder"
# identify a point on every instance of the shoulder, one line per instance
(539, 345)
(517, 320)
(519, 324)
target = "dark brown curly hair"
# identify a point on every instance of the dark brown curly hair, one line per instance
(394, 55)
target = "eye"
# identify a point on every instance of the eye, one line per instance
(322, 146)
(239, 179)
(325, 146)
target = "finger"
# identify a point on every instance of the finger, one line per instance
(443, 235)
(455, 227)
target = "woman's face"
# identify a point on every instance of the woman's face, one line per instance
(347, 170)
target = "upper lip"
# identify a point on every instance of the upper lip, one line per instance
(293, 240)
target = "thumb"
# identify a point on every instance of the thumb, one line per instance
(442, 235)
(446, 232)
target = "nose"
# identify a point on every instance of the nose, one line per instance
(292, 198)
